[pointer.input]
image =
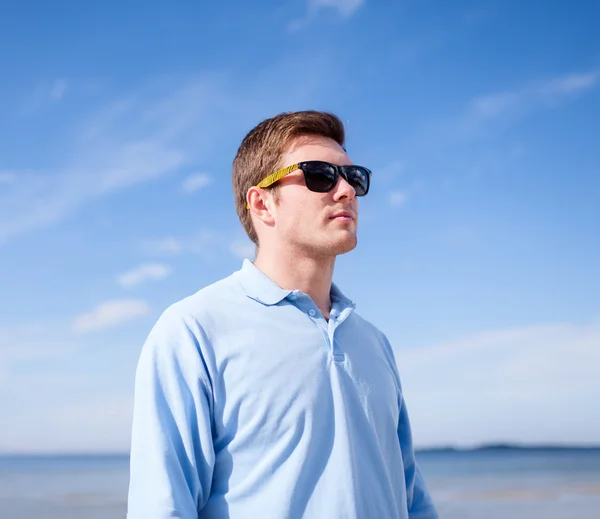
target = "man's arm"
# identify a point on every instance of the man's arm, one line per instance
(172, 456)
(420, 505)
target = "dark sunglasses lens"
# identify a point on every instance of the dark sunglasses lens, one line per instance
(358, 178)
(319, 176)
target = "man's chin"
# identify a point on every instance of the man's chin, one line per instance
(333, 247)
(344, 246)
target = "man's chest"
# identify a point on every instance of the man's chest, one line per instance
(271, 381)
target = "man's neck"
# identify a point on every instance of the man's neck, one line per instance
(293, 271)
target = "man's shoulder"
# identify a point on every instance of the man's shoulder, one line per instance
(205, 306)
(376, 335)
(367, 326)
(224, 291)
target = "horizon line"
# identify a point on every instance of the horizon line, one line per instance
(435, 448)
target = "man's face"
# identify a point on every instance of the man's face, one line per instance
(318, 224)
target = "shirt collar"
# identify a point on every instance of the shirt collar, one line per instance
(260, 287)
(338, 297)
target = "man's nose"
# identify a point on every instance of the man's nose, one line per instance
(343, 189)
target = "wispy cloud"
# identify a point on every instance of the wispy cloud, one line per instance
(345, 7)
(193, 183)
(398, 198)
(59, 87)
(127, 142)
(516, 384)
(569, 84)
(110, 314)
(495, 108)
(142, 273)
(36, 200)
(549, 92)
(206, 243)
(209, 244)
(170, 246)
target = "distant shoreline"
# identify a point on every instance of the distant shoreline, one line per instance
(492, 447)
(510, 447)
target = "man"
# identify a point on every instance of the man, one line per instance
(265, 395)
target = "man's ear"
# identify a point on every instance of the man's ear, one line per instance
(260, 203)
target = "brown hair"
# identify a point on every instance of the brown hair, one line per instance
(261, 150)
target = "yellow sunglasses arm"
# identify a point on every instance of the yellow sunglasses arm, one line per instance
(274, 177)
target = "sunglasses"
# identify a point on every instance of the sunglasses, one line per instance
(322, 177)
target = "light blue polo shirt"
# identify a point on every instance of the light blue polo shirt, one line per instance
(249, 404)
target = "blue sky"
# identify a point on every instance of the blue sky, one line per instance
(479, 243)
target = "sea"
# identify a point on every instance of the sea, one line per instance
(491, 483)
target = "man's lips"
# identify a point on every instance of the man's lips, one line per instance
(344, 215)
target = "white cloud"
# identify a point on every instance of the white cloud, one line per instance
(530, 384)
(495, 104)
(206, 243)
(243, 248)
(345, 7)
(397, 198)
(59, 87)
(193, 183)
(110, 314)
(569, 84)
(142, 273)
(170, 246)
(547, 92)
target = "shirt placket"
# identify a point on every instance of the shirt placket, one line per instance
(336, 317)
(328, 328)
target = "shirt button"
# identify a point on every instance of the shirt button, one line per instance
(312, 313)
(292, 297)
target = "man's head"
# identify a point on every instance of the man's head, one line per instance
(288, 213)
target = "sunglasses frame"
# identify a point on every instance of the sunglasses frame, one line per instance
(283, 172)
